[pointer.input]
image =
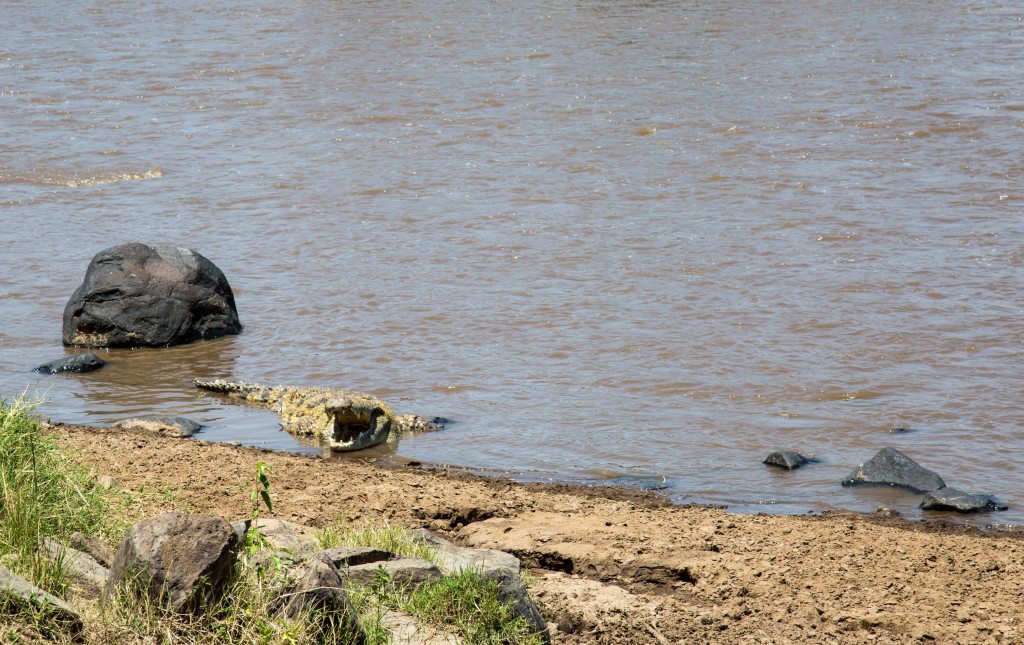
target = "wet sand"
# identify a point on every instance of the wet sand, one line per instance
(617, 566)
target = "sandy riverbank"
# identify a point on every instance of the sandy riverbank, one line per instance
(614, 566)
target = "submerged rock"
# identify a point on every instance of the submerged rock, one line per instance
(136, 295)
(951, 499)
(893, 468)
(787, 459)
(178, 427)
(78, 364)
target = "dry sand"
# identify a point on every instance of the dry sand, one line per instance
(614, 566)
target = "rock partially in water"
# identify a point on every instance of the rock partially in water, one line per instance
(78, 364)
(893, 468)
(952, 499)
(136, 295)
(787, 459)
(177, 427)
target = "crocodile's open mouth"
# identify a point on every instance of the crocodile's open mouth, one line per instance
(357, 427)
(350, 425)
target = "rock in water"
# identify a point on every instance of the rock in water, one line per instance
(179, 561)
(951, 499)
(78, 364)
(892, 467)
(136, 295)
(786, 459)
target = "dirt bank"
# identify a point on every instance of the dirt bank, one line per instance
(620, 567)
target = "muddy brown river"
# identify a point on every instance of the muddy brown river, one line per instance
(627, 242)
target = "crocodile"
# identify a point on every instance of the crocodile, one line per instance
(343, 420)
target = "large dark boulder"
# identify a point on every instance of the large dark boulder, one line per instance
(952, 499)
(892, 467)
(136, 295)
(179, 561)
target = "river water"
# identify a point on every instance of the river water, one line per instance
(628, 242)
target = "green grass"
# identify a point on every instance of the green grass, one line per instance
(379, 535)
(244, 614)
(467, 604)
(43, 493)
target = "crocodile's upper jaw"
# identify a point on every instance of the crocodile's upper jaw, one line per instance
(357, 425)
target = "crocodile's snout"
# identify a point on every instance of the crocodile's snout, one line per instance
(357, 424)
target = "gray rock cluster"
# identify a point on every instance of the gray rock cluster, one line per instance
(890, 467)
(183, 562)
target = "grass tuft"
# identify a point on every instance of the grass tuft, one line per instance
(43, 493)
(382, 535)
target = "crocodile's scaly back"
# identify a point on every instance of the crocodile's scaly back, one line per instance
(253, 392)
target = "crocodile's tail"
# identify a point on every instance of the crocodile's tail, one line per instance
(240, 389)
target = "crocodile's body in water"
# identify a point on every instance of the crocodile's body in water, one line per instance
(344, 420)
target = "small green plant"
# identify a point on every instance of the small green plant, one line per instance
(260, 497)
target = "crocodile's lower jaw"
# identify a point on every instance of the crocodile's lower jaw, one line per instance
(357, 431)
